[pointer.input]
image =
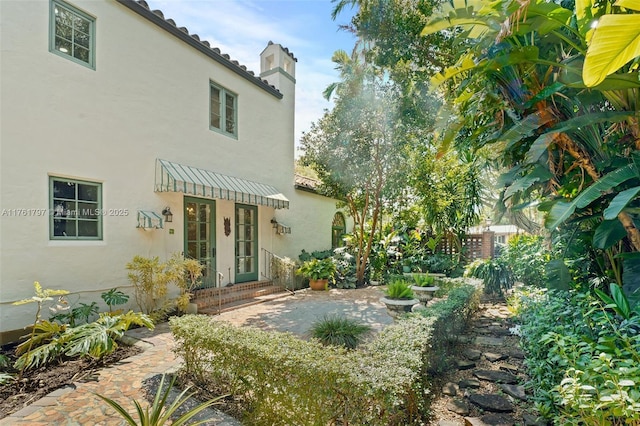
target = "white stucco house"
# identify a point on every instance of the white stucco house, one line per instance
(123, 134)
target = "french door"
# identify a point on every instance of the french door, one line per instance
(246, 259)
(200, 239)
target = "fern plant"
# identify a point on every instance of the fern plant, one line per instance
(158, 413)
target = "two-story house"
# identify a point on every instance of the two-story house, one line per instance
(123, 134)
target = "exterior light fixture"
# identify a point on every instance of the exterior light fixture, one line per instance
(168, 216)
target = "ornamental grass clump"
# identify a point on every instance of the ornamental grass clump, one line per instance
(338, 330)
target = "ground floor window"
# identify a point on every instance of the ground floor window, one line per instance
(76, 209)
(246, 243)
(338, 229)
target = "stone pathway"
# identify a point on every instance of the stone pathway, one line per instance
(78, 405)
(487, 387)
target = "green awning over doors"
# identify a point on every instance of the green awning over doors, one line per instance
(174, 177)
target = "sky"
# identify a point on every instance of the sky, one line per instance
(242, 29)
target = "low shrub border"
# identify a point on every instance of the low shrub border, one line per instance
(278, 379)
(582, 357)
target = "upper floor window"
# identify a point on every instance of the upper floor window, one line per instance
(72, 33)
(76, 209)
(224, 110)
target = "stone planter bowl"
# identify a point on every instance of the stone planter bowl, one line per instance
(398, 306)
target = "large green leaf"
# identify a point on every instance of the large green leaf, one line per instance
(542, 142)
(561, 211)
(472, 15)
(539, 173)
(631, 277)
(608, 233)
(615, 41)
(620, 202)
(524, 128)
(558, 275)
(543, 17)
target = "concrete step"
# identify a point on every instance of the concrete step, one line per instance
(220, 299)
(230, 306)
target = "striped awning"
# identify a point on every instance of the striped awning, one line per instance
(174, 177)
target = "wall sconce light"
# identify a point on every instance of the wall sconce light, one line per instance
(168, 216)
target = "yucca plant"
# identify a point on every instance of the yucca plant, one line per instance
(158, 413)
(338, 330)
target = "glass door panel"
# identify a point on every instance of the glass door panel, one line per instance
(199, 241)
(246, 263)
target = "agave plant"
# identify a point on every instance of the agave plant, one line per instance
(158, 414)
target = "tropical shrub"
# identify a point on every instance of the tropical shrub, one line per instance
(582, 355)
(527, 256)
(452, 317)
(422, 280)
(77, 315)
(151, 279)
(399, 289)
(495, 273)
(50, 341)
(338, 330)
(41, 297)
(114, 297)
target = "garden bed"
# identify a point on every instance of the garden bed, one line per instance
(39, 382)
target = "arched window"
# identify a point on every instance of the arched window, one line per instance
(338, 229)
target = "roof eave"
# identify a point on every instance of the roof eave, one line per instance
(187, 38)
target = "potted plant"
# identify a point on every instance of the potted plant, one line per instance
(424, 288)
(319, 272)
(399, 297)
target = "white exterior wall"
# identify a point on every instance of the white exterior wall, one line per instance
(147, 98)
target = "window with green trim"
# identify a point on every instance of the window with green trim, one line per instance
(223, 110)
(338, 229)
(72, 33)
(76, 209)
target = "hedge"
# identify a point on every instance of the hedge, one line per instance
(279, 379)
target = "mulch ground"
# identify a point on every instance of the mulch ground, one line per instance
(39, 382)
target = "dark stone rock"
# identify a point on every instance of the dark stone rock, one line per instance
(450, 389)
(489, 341)
(496, 376)
(499, 331)
(465, 365)
(531, 420)
(448, 423)
(458, 406)
(472, 354)
(515, 391)
(469, 383)
(493, 357)
(516, 353)
(510, 368)
(491, 402)
(498, 420)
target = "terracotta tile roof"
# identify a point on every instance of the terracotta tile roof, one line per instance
(157, 17)
(306, 183)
